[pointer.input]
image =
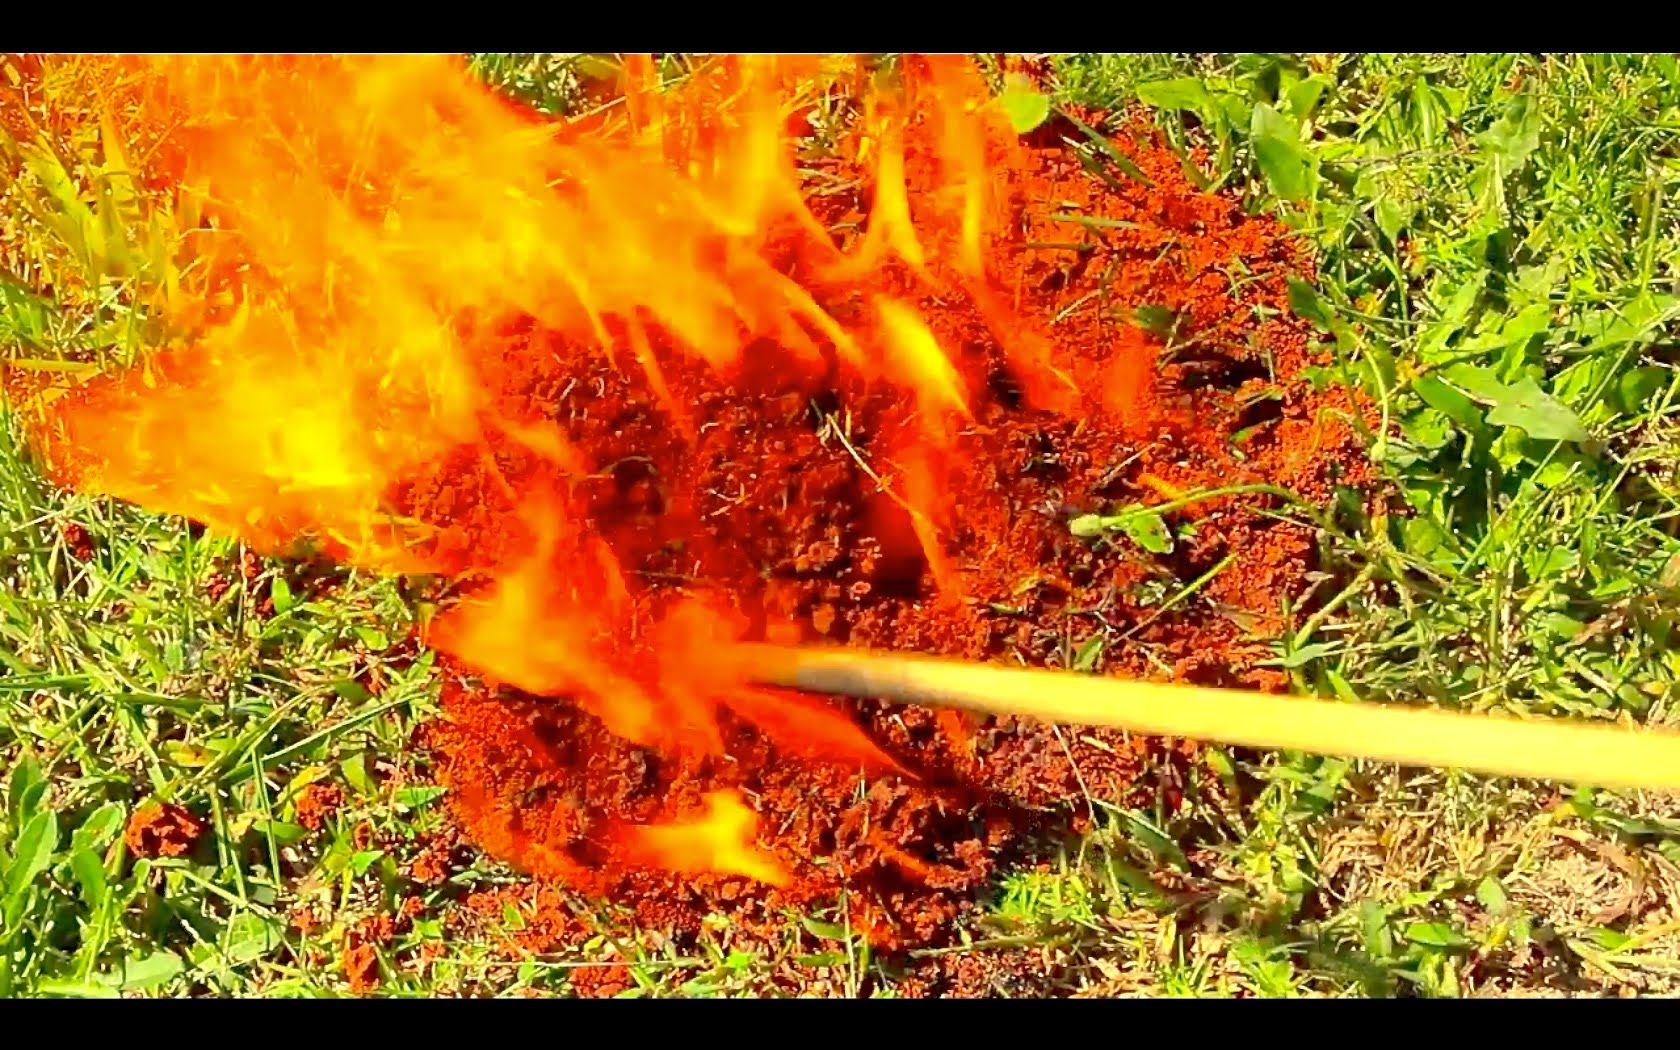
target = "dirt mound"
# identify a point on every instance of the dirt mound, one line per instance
(767, 488)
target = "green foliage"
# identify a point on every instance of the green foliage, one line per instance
(1026, 106)
(1497, 243)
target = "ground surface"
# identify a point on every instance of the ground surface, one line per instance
(227, 773)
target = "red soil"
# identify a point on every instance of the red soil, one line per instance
(758, 497)
(316, 803)
(162, 829)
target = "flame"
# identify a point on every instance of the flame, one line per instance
(373, 226)
(719, 839)
(525, 629)
(920, 361)
(804, 725)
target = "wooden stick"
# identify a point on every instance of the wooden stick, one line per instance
(1541, 748)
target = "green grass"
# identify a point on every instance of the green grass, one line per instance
(1498, 240)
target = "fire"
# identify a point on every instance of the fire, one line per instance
(719, 839)
(374, 225)
(525, 630)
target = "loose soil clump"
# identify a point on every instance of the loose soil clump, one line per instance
(162, 829)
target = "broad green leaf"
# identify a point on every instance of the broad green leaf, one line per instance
(1526, 324)
(283, 832)
(356, 774)
(827, 931)
(32, 853)
(1480, 383)
(1423, 536)
(1537, 414)
(188, 755)
(1148, 530)
(119, 201)
(1492, 895)
(25, 316)
(1025, 105)
(1308, 305)
(1144, 526)
(147, 971)
(1231, 108)
(1221, 763)
(1302, 656)
(1429, 427)
(1328, 783)
(1391, 217)
(1180, 93)
(116, 160)
(90, 875)
(1273, 976)
(1086, 658)
(363, 859)
(280, 592)
(1637, 319)
(75, 989)
(25, 789)
(250, 936)
(1303, 98)
(1435, 935)
(1561, 627)
(1155, 841)
(376, 641)
(822, 959)
(1426, 113)
(1452, 99)
(1535, 284)
(511, 917)
(1448, 401)
(1638, 387)
(416, 796)
(1155, 319)
(73, 221)
(1514, 136)
(351, 690)
(1087, 525)
(1373, 925)
(1521, 404)
(1545, 562)
(1287, 165)
(97, 827)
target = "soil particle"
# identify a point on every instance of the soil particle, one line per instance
(162, 829)
(360, 951)
(317, 802)
(78, 541)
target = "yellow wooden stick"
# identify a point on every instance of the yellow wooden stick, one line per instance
(1551, 749)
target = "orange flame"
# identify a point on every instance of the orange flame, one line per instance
(375, 223)
(525, 630)
(719, 839)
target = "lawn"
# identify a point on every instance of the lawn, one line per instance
(217, 782)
